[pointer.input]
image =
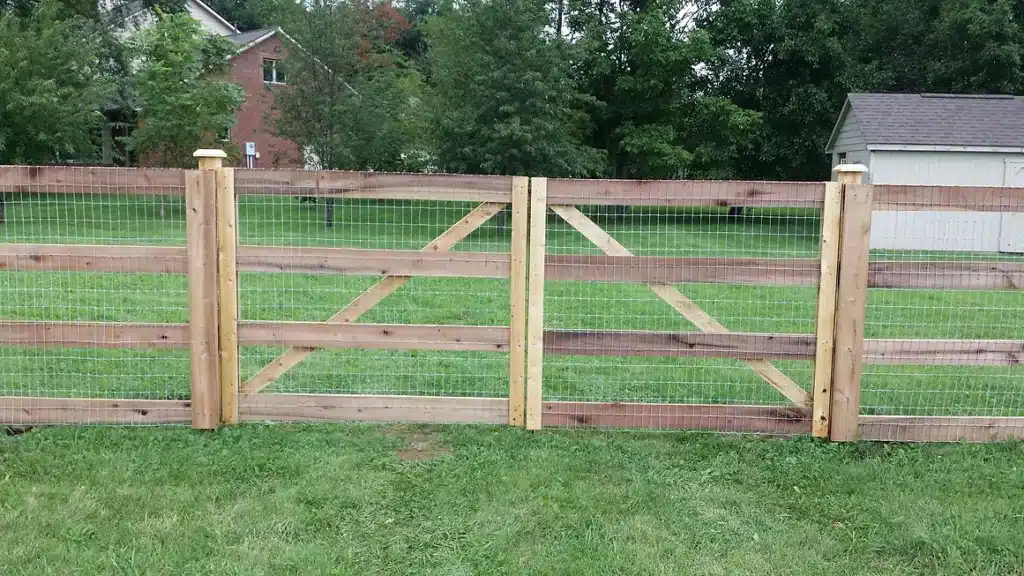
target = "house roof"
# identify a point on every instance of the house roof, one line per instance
(940, 120)
(245, 40)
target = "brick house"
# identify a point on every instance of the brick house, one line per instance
(255, 67)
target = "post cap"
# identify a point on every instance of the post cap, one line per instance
(209, 153)
(856, 168)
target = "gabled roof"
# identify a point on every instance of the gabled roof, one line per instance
(246, 40)
(939, 120)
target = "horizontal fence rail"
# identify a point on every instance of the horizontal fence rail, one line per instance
(643, 284)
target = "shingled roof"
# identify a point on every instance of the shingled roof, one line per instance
(936, 120)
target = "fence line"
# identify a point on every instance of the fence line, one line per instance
(548, 383)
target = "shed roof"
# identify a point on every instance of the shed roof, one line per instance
(949, 120)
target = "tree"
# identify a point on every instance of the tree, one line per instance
(183, 99)
(352, 103)
(504, 98)
(52, 85)
(788, 61)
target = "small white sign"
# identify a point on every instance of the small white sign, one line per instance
(250, 148)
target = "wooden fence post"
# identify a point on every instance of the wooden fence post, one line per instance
(831, 220)
(517, 370)
(851, 303)
(201, 224)
(535, 330)
(227, 294)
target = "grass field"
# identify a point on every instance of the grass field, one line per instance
(939, 390)
(357, 499)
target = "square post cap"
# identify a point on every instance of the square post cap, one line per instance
(209, 159)
(851, 173)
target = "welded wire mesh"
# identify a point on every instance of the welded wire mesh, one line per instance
(389, 221)
(948, 278)
(56, 223)
(746, 270)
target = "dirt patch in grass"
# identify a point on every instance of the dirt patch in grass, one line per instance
(420, 443)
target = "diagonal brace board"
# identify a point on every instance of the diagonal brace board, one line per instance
(688, 308)
(367, 300)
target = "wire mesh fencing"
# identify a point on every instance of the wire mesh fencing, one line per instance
(86, 251)
(945, 314)
(681, 307)
(404, 278)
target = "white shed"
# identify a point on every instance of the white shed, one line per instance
(936, 139)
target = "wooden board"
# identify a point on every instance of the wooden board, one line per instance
(201, 226)
(664, 270)
(679, 344)
(15, 410)
(375, 185)
(850, 311)
(680, 303)
(29, 333)
(518, 304)
(367, 300)
(900, 198)
(825, 315)
(374, 336)
(94, 258)
(950, 275)
(945, 352)
(685, 193)
(358, 261)
(718, 417)
(359, 408)
(535, 320)
(227, 295)
(91, 180)
(941, 428)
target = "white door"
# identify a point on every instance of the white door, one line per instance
(1011, 230)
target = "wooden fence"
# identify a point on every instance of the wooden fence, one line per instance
(213, 259)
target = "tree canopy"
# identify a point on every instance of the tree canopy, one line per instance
(611, 88)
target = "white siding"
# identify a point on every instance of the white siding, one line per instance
(211, 23)
(945, 231)
(849, 136)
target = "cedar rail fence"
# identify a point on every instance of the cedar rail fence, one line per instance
(212, 259)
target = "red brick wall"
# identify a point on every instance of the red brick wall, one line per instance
(253, 122)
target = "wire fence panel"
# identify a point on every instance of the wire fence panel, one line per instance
(398, 257)
(92, 245)
(614, 273)
(950, 281)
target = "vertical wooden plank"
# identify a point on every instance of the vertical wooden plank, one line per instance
(517, 346)
(535, 320)
(227, 294)
(850, 310)
(831, 218)
(200, 196)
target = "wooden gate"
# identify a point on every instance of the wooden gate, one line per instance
(661, 275)
(438, 258)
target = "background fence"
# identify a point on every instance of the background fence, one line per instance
(218, 295)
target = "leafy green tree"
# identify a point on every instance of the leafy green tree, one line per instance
(504, 100)
(184, 101)
(788, 61)
(352, 102)
(52, 84)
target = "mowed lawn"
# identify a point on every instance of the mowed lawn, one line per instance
(458, 500)
(767, 233)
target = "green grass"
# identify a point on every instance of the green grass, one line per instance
(405, 225)
(357, 499)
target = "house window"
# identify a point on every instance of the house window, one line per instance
(842, 158)
(273, 71)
